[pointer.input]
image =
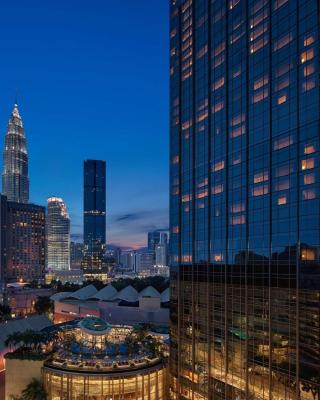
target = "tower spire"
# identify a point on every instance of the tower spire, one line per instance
(15, 181)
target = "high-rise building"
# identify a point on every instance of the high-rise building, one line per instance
(25, 242)
(15, 181)
(244, 199)
(145, 262)
(76, 254)
(58, 235)
(3, 240)
(161, 254)
(94, 219)
(156, 237)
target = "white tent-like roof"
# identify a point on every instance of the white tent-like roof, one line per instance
(83, 293)
(128, 294)
(165, 296)
(149, 291)
(60, 296)
(105, 294)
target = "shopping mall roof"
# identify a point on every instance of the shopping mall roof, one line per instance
(83, 293)
(107, 293)
(110, 294)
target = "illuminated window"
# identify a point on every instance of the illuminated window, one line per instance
(260, 190)
(186, 197)
(186, 258)
(259, 44)
(218, 107)
(202, 194)
(308, 194)
(217, 189)
(308, 40)
(279, 3)
(282, 200)
(282, 99)
(237, 132)
(218, 166)
(309, 149)
(263, 94)
(202, 51)
(308, 254)
(233, 3)
(306, 56)
(308, 85)
(308, 70)
(309, 179)
(204, 182)
(236, 159)
(260, 82)
(218, 83)
(283, 142)
(238, 207)
(202, 116)
(307, 164)
(261, 177)
(175, 229)
(238, 220)
(218, 257)
(283, 41)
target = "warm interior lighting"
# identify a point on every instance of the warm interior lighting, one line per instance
(282, 200)
(307, 164)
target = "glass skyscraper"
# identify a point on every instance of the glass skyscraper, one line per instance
(58, 235)
(244, 199)
(94, 218)
(15, 181)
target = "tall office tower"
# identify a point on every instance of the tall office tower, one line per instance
(15, 181)
(244, 212)
(25, 242)
(94, 219)
(161, 254)
(58, 235)
(76, 254)
(156, 237)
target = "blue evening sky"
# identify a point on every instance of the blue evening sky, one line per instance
(92, 82)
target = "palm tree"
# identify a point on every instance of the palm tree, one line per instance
(34, 391)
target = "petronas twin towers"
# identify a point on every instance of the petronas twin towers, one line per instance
(15, 180)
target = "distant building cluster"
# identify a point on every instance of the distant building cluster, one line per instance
(35, 241)
(152, 260)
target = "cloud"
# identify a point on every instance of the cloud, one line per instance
(127, 217)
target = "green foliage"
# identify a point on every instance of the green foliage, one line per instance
(158, 282)
(44, 305)
(34, 391)
(5, 312)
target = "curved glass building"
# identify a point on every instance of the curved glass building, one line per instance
(98, 361)
(15, 181)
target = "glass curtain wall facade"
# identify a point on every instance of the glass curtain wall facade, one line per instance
(244, 199)
(94, 214)
(58, 235)
(15, 181)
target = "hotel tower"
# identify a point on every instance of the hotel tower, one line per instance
(244, 199)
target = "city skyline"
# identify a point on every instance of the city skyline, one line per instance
(94, 94)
